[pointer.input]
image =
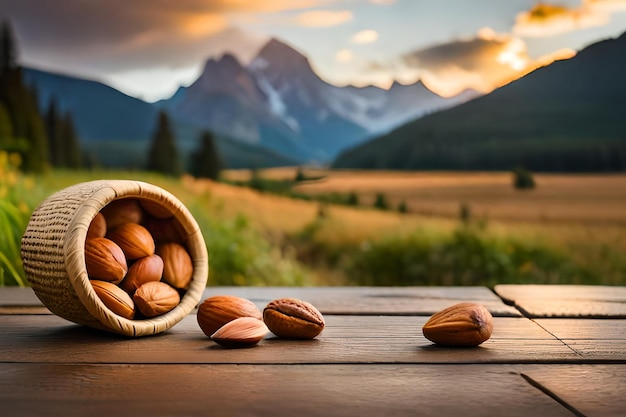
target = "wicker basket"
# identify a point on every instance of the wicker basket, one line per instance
(54, 257)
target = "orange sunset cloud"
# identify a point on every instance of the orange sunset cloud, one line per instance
(482, 63)
(323, 18)
(549, 20)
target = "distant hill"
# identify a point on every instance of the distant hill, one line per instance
(100, 112)
(568, 116)
(117, 128)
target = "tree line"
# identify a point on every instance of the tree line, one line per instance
(48, 138)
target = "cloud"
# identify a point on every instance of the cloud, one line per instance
(383, 2)
(550, 20)
(323, 18)
(608, 6)
(344, 55)
(483, 63)
(120, 35)
(365, 36)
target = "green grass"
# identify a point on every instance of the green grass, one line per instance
(320, 254)
(238, 254)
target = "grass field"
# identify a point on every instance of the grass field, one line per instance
(570, 229)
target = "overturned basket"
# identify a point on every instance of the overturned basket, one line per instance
(53, 254)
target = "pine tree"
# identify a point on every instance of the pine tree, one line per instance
(72, 154)
(206, 161)
(163, 155)
(8, 49)
(55, 139)
(29, 132)
(6, 129)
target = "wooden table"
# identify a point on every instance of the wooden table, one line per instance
(555, 351)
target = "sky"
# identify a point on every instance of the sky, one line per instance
(148, 48)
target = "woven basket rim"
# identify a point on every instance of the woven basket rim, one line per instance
(74, 255)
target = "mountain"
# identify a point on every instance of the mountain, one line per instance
(100, 112)
(117, 128)
(278, 101)
(227, 100)
(568, 116)
(299, 97)
(274, 110)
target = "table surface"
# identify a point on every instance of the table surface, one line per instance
(555, 351)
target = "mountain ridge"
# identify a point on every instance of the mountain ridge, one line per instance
(563, 117)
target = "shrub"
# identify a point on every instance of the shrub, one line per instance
(381, 202)
(465, 257)
(523, 179)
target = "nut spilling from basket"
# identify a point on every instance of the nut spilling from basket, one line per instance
(136, 258)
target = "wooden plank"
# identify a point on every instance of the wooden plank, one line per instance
(591, 338)
(593, 390)
(329, 300)
(374, 300)
(18, 296)
(270, 390)
(566, 300)
(346, 339)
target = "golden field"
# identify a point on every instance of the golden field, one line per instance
(567, 210)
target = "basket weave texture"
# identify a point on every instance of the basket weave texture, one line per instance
(53, 255)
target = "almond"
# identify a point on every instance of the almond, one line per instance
(291, 318)
(241, 332)
(146, 269)
(155, 298)
(134, 239)
(97, 227)
(216, 311)
(155, 209)
(177, 265)
(122, 211)
(463, 324)
(105, 260)
(165, 230)
(114, 298)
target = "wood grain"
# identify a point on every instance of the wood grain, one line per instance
(329, 300)
(593, 390)
(346, 339)
(246, 390)
(594, 301)
(374, 300)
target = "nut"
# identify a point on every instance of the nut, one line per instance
(97, 227)
(155, 297)
(134, 239)
(146, 269)
(104, 260)
(155, 209)
(122, 211)
(463, 324)
(165, 230)
(241, 332)
(114, 298)
(291, 318)
(216, 311)
(177, 266)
